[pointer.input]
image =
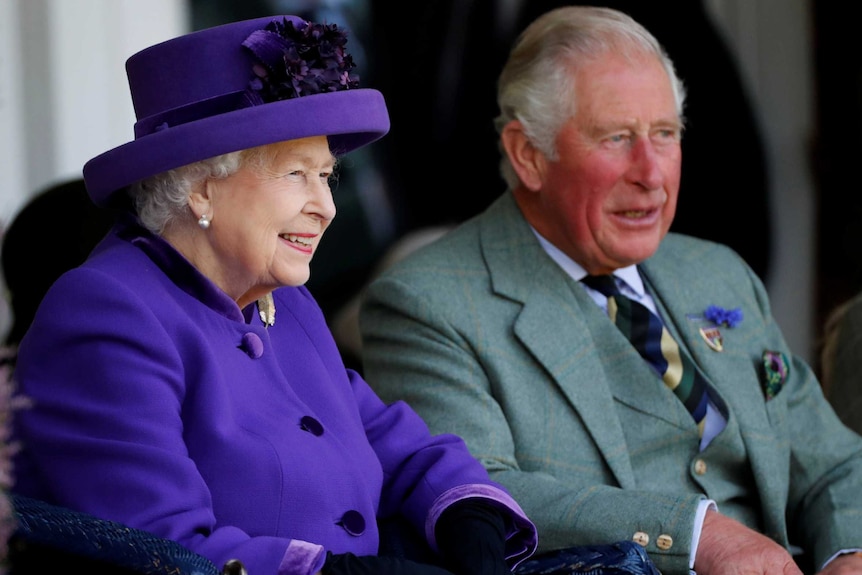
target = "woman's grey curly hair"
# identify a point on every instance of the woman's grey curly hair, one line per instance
(164, 198)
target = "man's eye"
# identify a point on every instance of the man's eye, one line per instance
(666, 136)
(617, 139)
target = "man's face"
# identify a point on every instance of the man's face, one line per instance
(611, 197)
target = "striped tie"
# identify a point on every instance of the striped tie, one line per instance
(647, 333)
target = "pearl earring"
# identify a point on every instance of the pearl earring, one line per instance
(204, 222)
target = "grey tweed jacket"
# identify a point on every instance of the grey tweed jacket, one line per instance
(486, 337)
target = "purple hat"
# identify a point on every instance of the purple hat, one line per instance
(234, 87)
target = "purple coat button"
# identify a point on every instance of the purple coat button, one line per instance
(308, 423)
(353, 522)
(252, 345)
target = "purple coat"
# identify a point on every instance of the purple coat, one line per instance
(160, 404)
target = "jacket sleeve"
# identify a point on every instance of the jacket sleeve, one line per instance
(425, 473)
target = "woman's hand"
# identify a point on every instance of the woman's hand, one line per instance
(471, 537)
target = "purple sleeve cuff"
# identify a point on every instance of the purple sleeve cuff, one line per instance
(302, 558)
(521, 535)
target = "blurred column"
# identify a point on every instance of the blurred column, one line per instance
(774, 41)
(64, 96)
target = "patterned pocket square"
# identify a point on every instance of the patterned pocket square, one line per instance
(777, 368)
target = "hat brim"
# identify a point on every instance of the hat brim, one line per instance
(349, 118)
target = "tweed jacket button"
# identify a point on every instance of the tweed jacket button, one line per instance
(700, 467)
(252, 345)
(641, 538)
(308, 423)
(664, 542)
(353, 522)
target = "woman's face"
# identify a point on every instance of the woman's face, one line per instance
(268, 219)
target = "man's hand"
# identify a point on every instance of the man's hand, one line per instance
(727, 547)
(850, 564)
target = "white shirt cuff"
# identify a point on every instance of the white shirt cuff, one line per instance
(702, 508)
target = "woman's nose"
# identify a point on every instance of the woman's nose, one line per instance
(322, 202)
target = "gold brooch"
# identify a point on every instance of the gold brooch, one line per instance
(266, 310)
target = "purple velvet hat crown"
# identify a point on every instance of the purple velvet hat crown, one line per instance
(234, 87)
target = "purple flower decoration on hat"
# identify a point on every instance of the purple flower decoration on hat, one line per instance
(295, 60)
(720, 316)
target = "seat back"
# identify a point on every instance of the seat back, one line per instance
(51, 538)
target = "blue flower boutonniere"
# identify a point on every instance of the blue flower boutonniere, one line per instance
(720, 316)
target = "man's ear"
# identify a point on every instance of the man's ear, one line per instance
(527, 161)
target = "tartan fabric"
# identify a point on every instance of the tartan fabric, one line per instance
(51, 538)
(620, 558)
(647, 333)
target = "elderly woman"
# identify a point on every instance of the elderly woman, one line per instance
(185, 382)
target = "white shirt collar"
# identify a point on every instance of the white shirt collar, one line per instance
(629, 275)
